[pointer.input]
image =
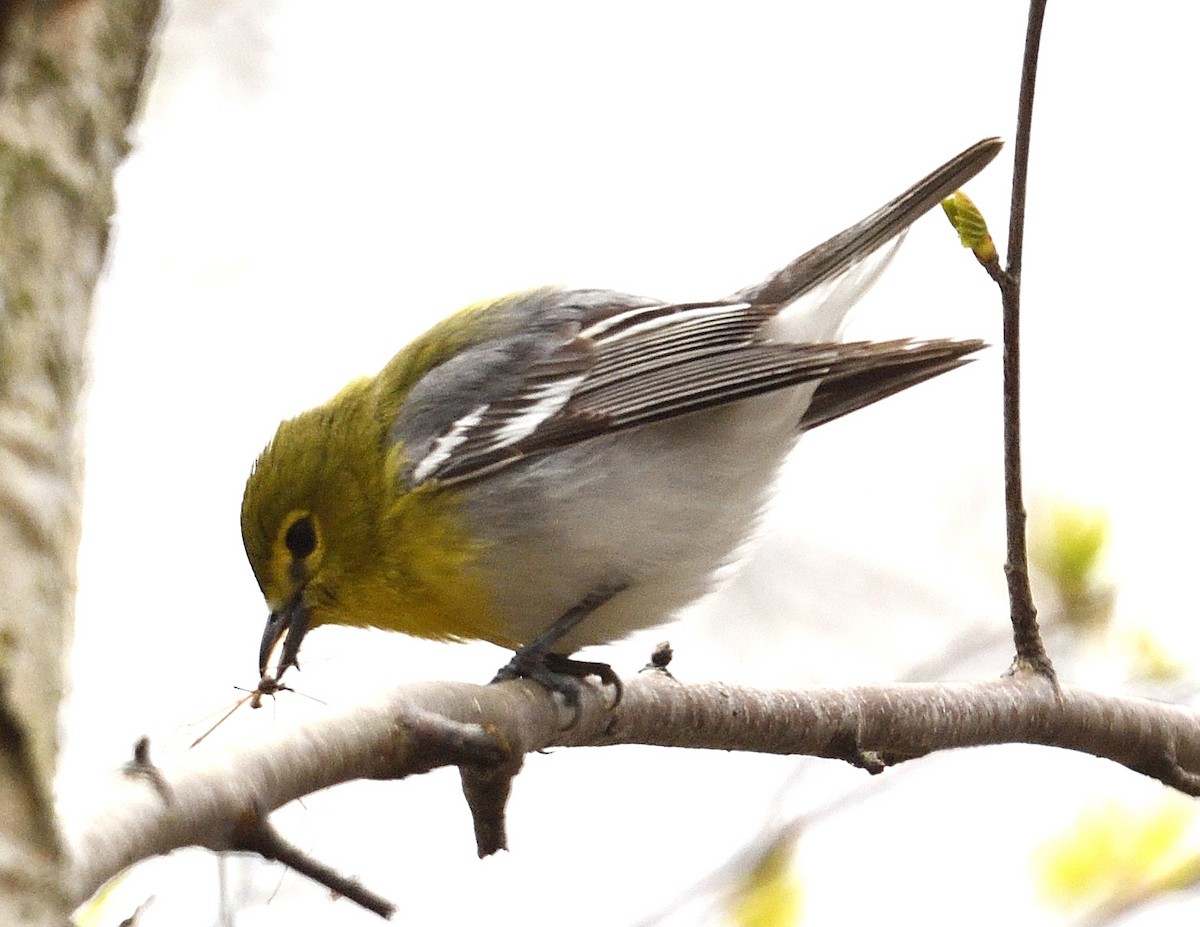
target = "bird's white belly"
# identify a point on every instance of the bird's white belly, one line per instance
(656, 509)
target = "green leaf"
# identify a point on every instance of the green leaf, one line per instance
(1117, 855)
(769, 893)
(971, 227)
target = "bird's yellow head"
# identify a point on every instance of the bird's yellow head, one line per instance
(310, 515)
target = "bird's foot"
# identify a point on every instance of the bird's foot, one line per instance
(560, 674)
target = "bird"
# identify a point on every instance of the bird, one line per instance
(557, 468)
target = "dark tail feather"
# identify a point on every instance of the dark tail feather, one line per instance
(883, 373)
(864, 238)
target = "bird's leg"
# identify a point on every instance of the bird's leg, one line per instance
(558, 672)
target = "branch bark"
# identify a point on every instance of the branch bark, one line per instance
(415, 728)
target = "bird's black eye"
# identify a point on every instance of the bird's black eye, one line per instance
(301, 537)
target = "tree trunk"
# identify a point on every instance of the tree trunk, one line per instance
(70, 74)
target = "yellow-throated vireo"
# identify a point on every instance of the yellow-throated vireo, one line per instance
(558, 468)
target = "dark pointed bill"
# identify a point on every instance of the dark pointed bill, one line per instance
(291, 620)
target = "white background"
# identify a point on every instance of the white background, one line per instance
(314, 184)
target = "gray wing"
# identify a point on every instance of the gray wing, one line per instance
(558, 367)
(599, 369)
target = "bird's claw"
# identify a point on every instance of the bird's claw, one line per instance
(561, 674)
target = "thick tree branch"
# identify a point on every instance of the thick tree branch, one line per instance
(417, 727)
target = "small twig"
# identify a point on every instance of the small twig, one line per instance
(848, 749)
(1030, 651)
(487, 764)
(136, 916)
(486, 790)
(1167, 769)
(256, 835)
(141, 766)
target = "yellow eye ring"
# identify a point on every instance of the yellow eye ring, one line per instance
(298, 549)
(300, 538)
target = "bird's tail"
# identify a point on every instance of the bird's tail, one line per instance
(875, 370)
(858, 242)
(844, 267)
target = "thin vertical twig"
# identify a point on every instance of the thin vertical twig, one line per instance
(1030, 652)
